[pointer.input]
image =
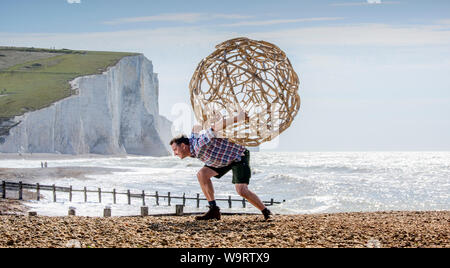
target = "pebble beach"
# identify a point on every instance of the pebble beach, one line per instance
(350, 230)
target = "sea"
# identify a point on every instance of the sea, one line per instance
(303, 183)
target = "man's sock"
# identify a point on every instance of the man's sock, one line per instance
(266, 212)
(212, 203)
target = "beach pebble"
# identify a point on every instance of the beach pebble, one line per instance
(379, 229)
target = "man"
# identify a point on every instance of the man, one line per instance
(219, 156)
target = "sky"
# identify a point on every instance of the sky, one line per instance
(374, 74)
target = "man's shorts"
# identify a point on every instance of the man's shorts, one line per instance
(241, 170)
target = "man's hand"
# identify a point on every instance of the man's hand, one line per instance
(223, 123)
(242, 116)
(196, 129)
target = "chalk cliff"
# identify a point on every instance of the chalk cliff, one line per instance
(115, 112)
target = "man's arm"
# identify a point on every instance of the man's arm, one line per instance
(201, 137)
(196, 129)
(223, 123)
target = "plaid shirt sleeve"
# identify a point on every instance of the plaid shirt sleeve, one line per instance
(205, 137)
(202, 139)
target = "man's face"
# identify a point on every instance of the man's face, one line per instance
(182, 150)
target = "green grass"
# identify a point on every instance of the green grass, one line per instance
(37, 84)
(32, 49)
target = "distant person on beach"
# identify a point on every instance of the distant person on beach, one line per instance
(219, 156)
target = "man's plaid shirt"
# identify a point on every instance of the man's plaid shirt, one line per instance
(214, 152)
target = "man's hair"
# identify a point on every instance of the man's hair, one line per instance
(179, 140)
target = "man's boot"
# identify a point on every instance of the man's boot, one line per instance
(213, 213)
(267, 214)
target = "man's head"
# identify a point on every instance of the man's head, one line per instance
(180, 146)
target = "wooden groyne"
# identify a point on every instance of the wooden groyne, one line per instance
(19, 187)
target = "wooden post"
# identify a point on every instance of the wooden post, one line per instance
(70, 193)
(99, 195)
(107, 212)
(38, 192)
(271, 201)
(54, 193)
(85, 194)
(157, 198)
(243, 202)
(129, 197)
(198, 200)
(229, 201)
(184, 199)
(114, 195)
(20, 190)
(168, 196)
(144, 211)
(3, 189)
(179, 210)
(71, 211)
(143, 197)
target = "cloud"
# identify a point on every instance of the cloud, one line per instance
(206, 36)
(362, 35)
(444, 21)
(182, 17)
(176, 17)
(279, 21)
(366, 3)
(198, 17)
(74, 1)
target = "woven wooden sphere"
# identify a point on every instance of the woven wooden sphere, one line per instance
(249, 75)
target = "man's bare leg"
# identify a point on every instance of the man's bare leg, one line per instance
(204, 178)
(242, 190)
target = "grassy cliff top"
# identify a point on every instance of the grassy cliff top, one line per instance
(34, 78)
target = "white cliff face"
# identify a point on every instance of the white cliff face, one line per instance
(113, 113)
